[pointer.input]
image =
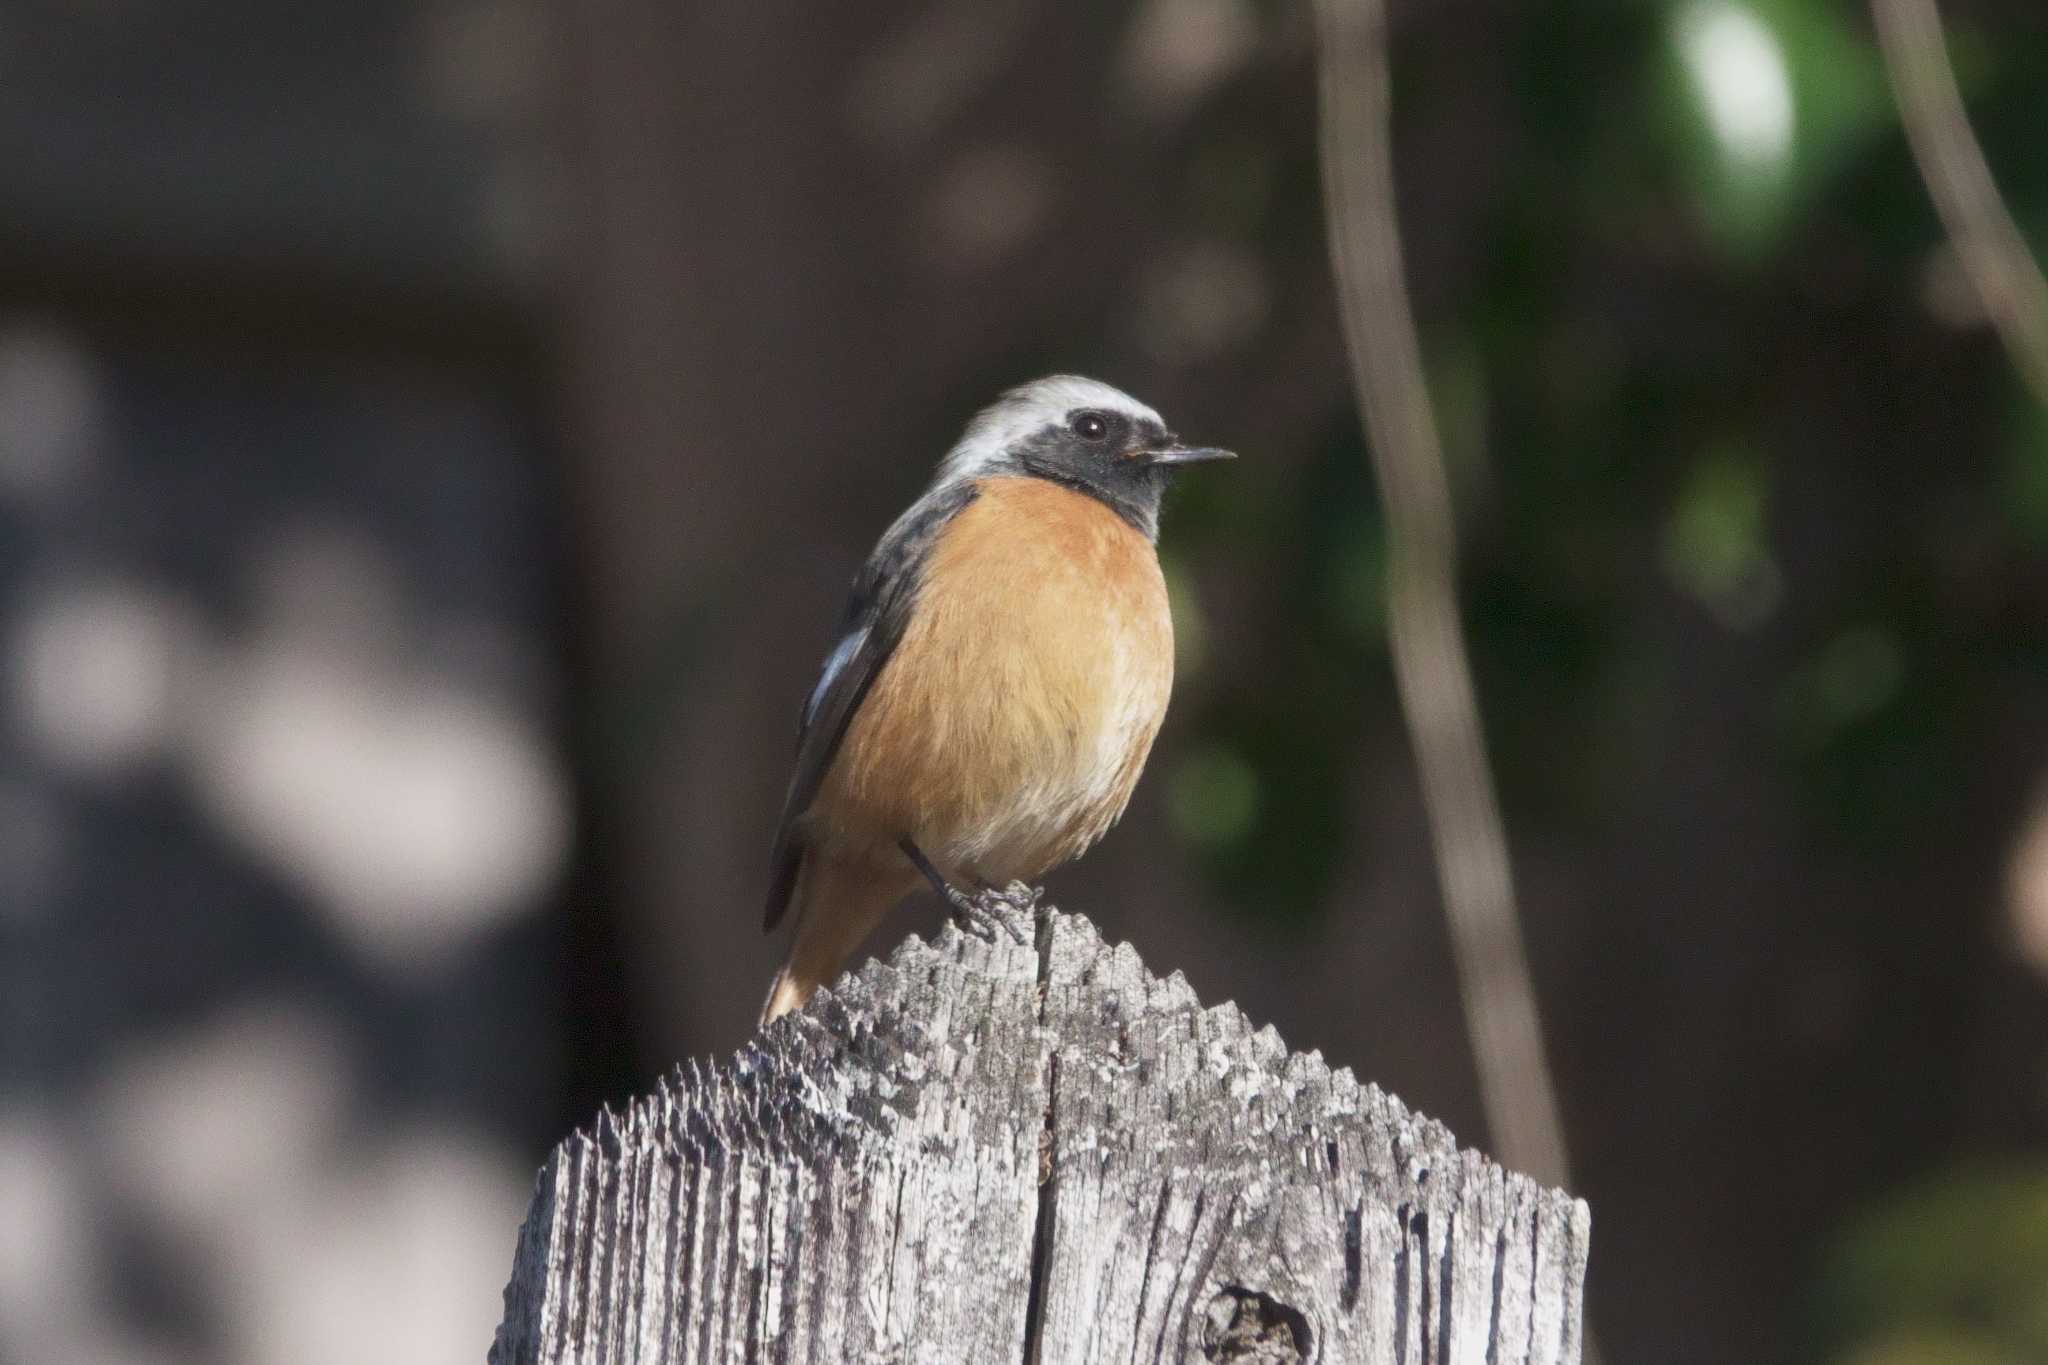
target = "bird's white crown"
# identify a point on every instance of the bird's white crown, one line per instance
(1026, 410)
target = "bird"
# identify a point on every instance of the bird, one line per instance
(999, 675)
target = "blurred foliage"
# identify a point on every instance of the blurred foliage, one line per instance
(1714, 542)
(2027, 474)
(1951, 1272)
(1740, 469)
(1769, 100)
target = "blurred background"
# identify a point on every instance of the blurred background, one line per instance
(436, 438)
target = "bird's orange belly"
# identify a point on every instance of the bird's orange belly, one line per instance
(1010, 725)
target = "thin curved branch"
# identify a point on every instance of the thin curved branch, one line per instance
(1428, 643)
(1988, 243)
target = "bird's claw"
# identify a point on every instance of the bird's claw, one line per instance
(982, 920)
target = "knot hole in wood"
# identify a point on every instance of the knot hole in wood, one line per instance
(1246, 1327)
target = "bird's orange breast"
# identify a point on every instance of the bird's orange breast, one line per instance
(1007, 730)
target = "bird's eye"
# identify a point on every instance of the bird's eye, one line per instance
(1090, 426)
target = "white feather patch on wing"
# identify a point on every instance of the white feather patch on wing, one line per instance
(835, 663)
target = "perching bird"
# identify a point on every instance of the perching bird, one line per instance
(1003, 666)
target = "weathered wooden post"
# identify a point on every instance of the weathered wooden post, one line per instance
(1033, 1152)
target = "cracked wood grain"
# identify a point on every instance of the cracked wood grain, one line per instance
(992, 1151)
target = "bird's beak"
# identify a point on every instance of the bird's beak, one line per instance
(1178, 454)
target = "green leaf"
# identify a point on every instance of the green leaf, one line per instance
(1771, 97)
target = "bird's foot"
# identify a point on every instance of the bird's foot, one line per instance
(983, 915)
(1023, 899)
(970, 913)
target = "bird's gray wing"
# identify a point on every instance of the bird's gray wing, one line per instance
(876, 614)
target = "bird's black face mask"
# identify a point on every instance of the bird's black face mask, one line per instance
(1111, 457)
